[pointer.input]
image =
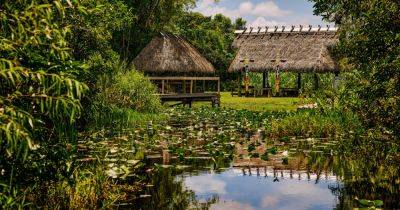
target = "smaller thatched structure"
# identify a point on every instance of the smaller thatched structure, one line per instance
(292, 49)
(172, 54)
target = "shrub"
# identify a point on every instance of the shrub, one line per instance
(122, 100)
(133, 90)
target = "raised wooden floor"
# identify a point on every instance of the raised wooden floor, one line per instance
(188, 99)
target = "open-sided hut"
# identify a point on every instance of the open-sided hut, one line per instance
(177, 68)
(172, 55)
(300, 50)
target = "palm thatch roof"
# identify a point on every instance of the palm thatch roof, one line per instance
(292, 49)
(171, 54)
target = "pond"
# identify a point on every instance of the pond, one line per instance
(224, 159)
(243, 188)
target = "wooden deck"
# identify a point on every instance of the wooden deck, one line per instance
(188, 99)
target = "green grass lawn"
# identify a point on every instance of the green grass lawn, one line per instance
(257, 104)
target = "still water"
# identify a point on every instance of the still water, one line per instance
(260, 189)
(308, 181)
(223, 159)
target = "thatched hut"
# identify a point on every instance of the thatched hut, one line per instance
(171, 55)
(301, 50)
(175, 66)
(290, 49)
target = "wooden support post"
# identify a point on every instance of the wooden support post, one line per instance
(219, 86)
(336, 80)
(267, 79)
(316, 81)
(204, 86)
(264, 82)
(163, 87)
(184, 86)
(298, 81)
(191, 86)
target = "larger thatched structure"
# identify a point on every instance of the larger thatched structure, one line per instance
(292, 49)
(172, 54)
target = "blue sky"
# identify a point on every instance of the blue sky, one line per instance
(263, 12)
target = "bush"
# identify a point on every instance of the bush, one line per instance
(123, 100)
(133, 90)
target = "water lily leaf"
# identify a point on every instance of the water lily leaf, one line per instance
(365, 202)
(378, 203)
(133, 162)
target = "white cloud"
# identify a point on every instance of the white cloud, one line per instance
(262, 22)
(205, 184)
(213, 10)
(206, 3)
(247, 8)
(266, 9)
(232, 205)
(269, 202)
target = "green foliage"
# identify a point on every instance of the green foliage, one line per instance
(213, 37)
(265, 156)
(251, 147)
(273, 150)
(151, 18)
(123, 100)
(39, 93)
(370, 43)
(133, 90)
(103, 44)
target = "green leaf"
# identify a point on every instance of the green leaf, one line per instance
(365, 202)
(378, 203)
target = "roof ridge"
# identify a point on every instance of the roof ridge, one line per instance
(284, 29)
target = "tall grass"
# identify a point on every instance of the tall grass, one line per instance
(314, 123)
(124, 100)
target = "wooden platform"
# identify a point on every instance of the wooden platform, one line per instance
(188, 99)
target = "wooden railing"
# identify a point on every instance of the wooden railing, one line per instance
(164, 80)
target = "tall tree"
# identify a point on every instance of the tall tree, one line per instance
(152, 17)
(212, 36)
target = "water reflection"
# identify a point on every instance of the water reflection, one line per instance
(260, 192)
(310, 181)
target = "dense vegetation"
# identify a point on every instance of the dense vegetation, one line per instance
(370, 47)
(57, 59)
(65, 75)
(39, 93)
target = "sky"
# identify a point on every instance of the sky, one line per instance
(261, 13)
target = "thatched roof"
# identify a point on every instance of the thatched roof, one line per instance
(169, 53)
(293, 49)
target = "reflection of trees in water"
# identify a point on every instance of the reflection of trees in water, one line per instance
(370, 171)
(170, 193)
